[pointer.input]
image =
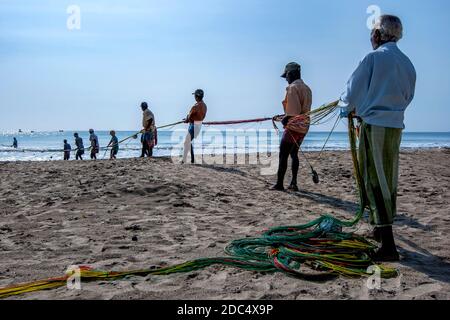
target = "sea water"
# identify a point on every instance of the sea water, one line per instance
(46, 146)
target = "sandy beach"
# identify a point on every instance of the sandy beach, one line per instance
(137, 213)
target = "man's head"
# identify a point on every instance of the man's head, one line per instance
(292, 72)
(112, 133)
(144, 106)
(199, 94)
(75, 134)
(91, 131)
(65, 141)
(388, 28)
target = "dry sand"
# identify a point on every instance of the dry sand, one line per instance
(56, 214)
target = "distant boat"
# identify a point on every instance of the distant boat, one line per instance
(61, 130)
(20, 130)
(32, 131)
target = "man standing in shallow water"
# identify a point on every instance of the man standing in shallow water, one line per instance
(95, 146)
(80, 146)
(149, 131)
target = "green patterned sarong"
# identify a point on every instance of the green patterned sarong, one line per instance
(378, 154)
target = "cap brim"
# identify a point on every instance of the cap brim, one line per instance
(284, 75)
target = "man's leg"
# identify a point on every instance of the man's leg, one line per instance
(150, 151)
(150, 143)
(285, 150)
(192, 153)
(295, 160)
(144, 145)
(379, 161)
(295, 166)
(187, 146)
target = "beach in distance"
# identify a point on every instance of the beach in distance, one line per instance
(135, 213)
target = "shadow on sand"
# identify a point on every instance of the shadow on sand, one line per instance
(424, 261)
(421, 260)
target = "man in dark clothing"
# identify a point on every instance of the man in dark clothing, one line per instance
(80, 146)
(67, 149)
(297, 102)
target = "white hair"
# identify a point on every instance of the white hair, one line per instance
(390, 27)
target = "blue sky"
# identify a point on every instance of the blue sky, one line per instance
(160, 51)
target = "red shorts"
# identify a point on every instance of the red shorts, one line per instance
(293, 137)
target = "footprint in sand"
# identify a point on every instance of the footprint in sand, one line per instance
(422, 290)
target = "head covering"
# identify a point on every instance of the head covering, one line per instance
(199, 93)
(292, 66)
(144, 105)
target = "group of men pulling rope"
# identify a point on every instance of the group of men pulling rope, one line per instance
(377, 95)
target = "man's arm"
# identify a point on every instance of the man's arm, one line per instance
(191, 114)
(413, 88)
(357, 86)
